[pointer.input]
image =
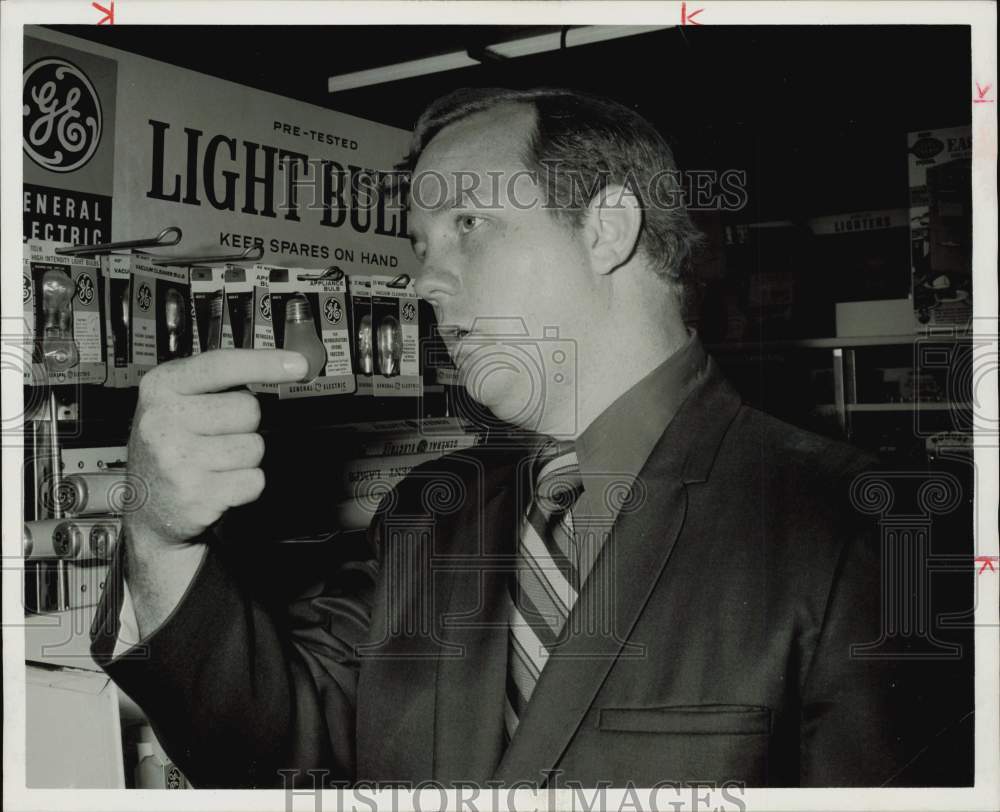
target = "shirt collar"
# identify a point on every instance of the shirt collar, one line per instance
(623, 436)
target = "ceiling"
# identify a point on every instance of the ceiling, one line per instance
(816, 115)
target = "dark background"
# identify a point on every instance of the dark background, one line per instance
(816, 115)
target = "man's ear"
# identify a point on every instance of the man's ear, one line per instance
(611, 226)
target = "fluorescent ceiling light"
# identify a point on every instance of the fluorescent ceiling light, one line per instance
(539, 43)
(583, 35)
(401, 70)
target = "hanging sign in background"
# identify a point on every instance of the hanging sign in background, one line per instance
(231, 166)
(68, 117)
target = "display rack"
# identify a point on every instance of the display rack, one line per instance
(846, 359)
(67, 422)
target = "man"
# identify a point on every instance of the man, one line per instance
(681, 607)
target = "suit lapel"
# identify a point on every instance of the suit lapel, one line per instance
(473, 626)
(620, 584)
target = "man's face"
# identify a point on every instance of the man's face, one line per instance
(494, 262)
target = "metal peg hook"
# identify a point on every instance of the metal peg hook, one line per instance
(400, 281)
(333, 272)
(169, 236)
(251, 254)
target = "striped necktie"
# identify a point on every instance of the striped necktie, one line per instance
(546, 583)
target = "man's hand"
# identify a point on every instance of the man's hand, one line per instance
(194, 445)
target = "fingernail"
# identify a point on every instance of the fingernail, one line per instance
(296, 365)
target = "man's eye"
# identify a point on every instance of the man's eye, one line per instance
(468, 222)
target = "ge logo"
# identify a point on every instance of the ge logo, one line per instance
(409, 311)
(333, 311)
(61, 115)
(25, 289)
(144, 298)
(85, 289)
(265, 306)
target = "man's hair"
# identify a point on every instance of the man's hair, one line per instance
(582, 144)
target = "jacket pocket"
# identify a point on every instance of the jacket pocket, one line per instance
(688, 719)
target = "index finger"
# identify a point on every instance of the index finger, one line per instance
(217, 370)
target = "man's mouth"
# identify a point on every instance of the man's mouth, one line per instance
(452, 331)
(453, 337)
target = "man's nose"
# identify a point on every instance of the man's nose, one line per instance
(435, 283)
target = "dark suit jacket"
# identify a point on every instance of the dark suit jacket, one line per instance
(711, 642)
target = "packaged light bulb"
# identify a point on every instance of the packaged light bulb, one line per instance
(309, 314)
(362, 335)
(208, 302)
(247, 322)
(396, 338)
(76, 539)
(116, 270)
(32, 367)
(61, 298)
(85, 582)
(160, 314)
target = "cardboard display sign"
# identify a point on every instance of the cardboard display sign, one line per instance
(396, 337)
(208, 301)
(62, 310)
(309, 315)
(247, 323)
(160, 315)
(230, 165)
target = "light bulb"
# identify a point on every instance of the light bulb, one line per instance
(214, 340)
(58, 346)
(119, 323)
(102, 540)
(175, 319)
(125, 303)
(300, 334)
(365, 353)
(67, 540)
(389, 346)
(247, 316)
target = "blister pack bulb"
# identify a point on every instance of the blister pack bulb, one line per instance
(301, 337)
(366, 361)
(58, 347)
(125, 309)
(390, 343)
(214, 340)
(175, 320)
(247, 318)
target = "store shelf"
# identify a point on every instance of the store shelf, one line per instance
(60, 638)
(930, 406)
(73, 730)
(838, 343)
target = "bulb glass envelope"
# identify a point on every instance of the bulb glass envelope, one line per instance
(62, 314)
(310, 314)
